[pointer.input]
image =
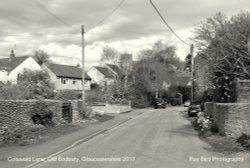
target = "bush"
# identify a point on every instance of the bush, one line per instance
(95, 95)
(66, 95)
(20, 136)
(14, 92)
(38, 83)
(13, 136)
(139, 103)
(244, 140)
(121, 101)
(202, 123)
(41, 114)
(30, 85)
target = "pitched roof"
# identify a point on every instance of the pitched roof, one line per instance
(67, 71)
(115, 68)
(105, 71)
(5, 63)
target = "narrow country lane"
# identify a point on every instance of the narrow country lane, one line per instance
(159, 138)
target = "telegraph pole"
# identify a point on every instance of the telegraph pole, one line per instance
(248, 44)
(192, 71)
(83, 68)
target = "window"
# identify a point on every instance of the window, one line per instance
(74, 82)
(63, 81)
(18, 77)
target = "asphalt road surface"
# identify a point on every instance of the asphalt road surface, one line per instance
(159, 138)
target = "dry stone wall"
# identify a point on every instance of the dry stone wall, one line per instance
(16, 113)
(243, 91)
(77, 112)
(208, 109)
(230, 118)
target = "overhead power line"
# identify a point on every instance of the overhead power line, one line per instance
(52, 14)
(108, 15)
(35, 35)
(63, 21)
(165, 22)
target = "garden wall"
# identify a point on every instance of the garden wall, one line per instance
(77, 113)
(117, 108)
(110, 108)
(242, 91)
(208, 109)
(95, 108)
(17, 113)
(231, 118)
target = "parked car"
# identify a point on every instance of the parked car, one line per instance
(159, 103)
(186, 103)
(194, 108)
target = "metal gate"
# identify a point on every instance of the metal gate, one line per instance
(67, 112)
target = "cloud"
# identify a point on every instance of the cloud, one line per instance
(26, 26)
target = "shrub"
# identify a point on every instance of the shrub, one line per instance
(12, 136)
(38, 83)
(203, 124)
(14, 92)
(244, 140)
(30, 85)
(21, 136)
(41, 114)
(66, 95)
(87, 112)
(95, 95)
(121, 101)
(140, 102)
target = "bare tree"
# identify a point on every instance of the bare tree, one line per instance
(227, 53)
(41, 57)
(109, 55)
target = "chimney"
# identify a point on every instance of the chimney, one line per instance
(12, 56)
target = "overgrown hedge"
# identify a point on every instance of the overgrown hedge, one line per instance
(66, 95)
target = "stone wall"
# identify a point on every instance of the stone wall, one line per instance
(208, 109)
(98, 109)
(230, 118)
(110, 108)
(93, 109)
(117, 108)
(77, 113)
(16, 113)
(243, 90)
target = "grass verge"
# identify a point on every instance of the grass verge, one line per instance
(218, 143)
(39, 134)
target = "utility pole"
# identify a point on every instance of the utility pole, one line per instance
(83, 67)
(156, 93)
(248, 44)
(192, 71)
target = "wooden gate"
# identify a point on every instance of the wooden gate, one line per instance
(67, 112)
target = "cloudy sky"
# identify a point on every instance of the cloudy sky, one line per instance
(26, 26)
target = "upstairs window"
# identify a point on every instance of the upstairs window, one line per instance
(74, 82)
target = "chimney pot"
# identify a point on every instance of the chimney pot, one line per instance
(12, 55)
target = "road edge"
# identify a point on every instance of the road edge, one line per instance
(82, 140)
